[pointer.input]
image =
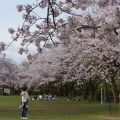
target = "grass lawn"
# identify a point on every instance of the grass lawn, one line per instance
(57, 110)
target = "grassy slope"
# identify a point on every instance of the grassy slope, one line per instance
(53, 110)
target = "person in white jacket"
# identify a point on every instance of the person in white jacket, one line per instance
(24, 102)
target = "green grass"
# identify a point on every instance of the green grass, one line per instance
(56, 110)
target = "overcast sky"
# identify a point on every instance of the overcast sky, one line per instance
(11, 18)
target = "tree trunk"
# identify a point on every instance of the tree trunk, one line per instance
(105, 92)
(114, 91)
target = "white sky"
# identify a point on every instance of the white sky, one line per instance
(10, 17)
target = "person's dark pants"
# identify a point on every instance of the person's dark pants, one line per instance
(24, 109)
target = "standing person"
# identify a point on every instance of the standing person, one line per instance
(24, 100)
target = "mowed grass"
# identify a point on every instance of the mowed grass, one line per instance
(57, 110)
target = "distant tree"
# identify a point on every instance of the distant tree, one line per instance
(45, 68)
(8, 73)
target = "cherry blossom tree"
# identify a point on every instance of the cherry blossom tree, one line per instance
(90, 32)
(8, 73)
(39, 28)
(94, 44)
(45, 67)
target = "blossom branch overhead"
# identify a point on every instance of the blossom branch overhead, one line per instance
(36, 28)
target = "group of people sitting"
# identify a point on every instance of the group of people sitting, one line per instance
(44, 97)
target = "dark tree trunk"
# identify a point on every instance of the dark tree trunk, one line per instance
(105, 93)
(114, 91)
